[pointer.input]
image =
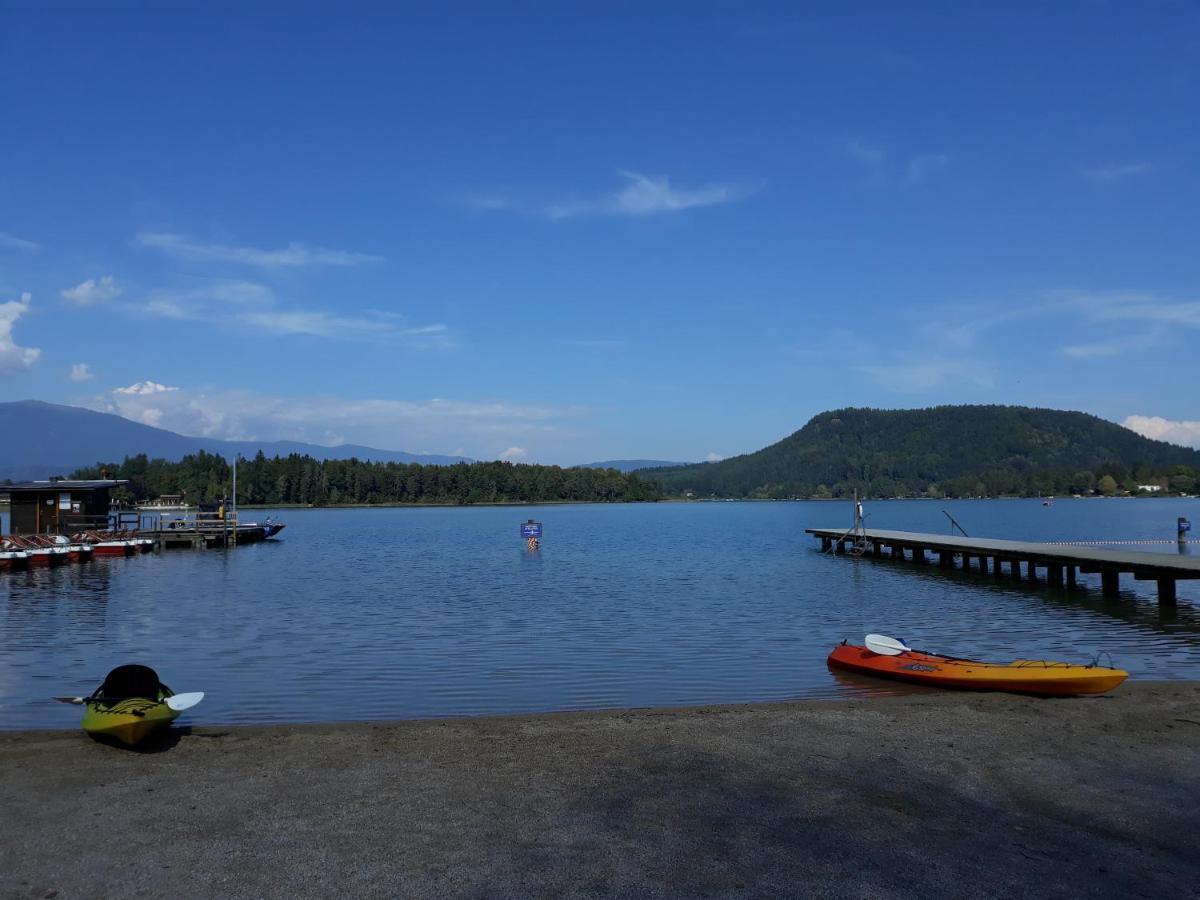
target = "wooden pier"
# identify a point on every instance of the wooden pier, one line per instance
(1059, 564)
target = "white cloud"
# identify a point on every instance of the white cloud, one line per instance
(294, 255)
(389, 424)
(640, 196)
(712, 456)
(644, 196)
(1184, 432)
(1117, 172)
(254, 306)
(924, 165)
(94, 290)
(81, 372)
(144, 388)
(514, 453)
(16, 243)
(14, 358)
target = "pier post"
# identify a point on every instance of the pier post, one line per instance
(1054, 576)
(983, 565)
(966, 558)
(919, 555)
(996, 561)
(1166, 592)
(1071, 582)
(841, 547)
(1033, 576)
(945, 559)
(877, 550)
(826, 544)
(1110, 583)
(897, 551)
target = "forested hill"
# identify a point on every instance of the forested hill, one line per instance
(301, 479)
(945, 450)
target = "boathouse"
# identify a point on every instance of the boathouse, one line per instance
(59, 507)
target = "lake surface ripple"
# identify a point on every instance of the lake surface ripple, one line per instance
(405, 613)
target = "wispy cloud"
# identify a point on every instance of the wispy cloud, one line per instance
(1118, 346)
(871, 157)
(925, 373)
(94, 290)
(514, 454)
(418, 426)
(13, 357)
(255, 306)
(923, 166)
(1184, 432)
(81, 372)
(713, 456)
(292, 256)
(596, 344)
(876, 163)
(17, 243)
(1116, 172)
(639, 196)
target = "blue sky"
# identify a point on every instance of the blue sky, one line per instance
(564, 232)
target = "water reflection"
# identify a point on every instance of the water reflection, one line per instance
(428, 612)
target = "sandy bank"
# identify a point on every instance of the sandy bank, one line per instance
(950, 794)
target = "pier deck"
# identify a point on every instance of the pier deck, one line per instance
(1060, 562)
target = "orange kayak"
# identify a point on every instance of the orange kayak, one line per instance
(1023, 676)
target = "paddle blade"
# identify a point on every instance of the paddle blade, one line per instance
(78, 701)
(884, 645)
(180, 702)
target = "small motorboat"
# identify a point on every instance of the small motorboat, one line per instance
(106, 544)
(890, 658)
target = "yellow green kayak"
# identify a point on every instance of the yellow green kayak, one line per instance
(128, 721)
(131, 704)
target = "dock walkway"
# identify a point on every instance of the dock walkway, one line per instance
(1059, 562)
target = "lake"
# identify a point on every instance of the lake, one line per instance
(403, 613)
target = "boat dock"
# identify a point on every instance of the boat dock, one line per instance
(1059, 565)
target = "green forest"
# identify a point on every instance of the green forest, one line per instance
(206, 477)
(948, 451)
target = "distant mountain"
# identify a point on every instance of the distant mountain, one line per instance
(630, 465)
(38, 440)
(956, 450)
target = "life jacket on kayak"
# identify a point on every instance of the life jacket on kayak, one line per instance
(128, 682)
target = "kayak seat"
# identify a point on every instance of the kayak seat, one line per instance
(125, 682)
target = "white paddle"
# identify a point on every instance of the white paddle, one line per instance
(177, 702)
(884, 645)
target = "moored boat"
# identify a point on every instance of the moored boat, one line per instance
(104, 543)
(77, 551)
(11, 559)
(1045, 678)
(41, 552)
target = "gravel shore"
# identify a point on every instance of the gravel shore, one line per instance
(947, 794)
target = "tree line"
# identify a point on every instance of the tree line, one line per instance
(207, 477)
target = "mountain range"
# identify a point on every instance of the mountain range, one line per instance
(953, 450)
(38, 440)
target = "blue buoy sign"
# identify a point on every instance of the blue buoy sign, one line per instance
(1184, 525)
(531, 529)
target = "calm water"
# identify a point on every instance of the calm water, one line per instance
(396, 613)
